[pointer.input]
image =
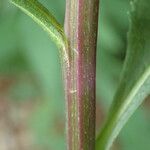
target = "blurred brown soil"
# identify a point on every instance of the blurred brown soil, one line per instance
(14, 131)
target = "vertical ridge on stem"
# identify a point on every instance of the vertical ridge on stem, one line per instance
(81, 30)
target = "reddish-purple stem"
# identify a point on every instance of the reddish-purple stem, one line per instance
(81, 30)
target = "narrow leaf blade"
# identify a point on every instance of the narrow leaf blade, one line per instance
(44, 18)
(135, 82)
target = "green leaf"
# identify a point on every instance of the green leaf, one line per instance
(46, 20)
(129, 138)
(135, 81)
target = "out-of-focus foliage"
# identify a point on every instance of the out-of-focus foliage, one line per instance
(30, 59)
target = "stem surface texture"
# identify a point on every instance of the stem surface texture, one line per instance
(81, 24)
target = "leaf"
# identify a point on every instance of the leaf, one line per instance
(135, 81)
(47, 21)
(138, 122)
(42, 16)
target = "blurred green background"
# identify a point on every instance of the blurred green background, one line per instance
(32, 105)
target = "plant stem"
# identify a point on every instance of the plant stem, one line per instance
(78, 56)
(81, 24)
